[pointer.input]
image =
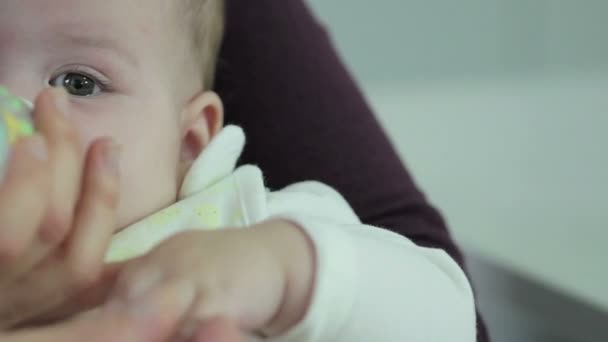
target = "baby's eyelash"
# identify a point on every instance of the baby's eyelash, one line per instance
(103, 82)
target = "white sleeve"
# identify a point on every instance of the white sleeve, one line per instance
(372, 284)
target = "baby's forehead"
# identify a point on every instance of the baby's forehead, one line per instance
(132, 24)
(119, 17)
(142, 32)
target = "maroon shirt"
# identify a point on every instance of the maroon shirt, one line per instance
(305, 118)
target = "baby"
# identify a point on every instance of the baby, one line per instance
(131, 165)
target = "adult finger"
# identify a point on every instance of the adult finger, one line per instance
(63, 172)
(77, 265)
(50, 303)
(219, 330)
(23, 199)
(95, 219)
(65, 161)
(151, 318)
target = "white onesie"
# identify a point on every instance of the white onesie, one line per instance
(371, 285)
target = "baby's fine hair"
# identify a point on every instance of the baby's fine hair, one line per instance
(205, 24)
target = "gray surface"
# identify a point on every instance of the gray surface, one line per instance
(412, 40)
(518, 309)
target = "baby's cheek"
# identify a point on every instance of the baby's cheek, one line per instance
(89, 132)
(148, 159)
(144, 191)
(101, 118)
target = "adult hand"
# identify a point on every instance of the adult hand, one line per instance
(260, 278)
(57, 213)
(152, 317)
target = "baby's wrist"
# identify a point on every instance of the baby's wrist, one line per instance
(295, 251)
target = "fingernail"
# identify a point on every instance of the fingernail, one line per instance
(111, 161)
(60, 97)
(37, 147)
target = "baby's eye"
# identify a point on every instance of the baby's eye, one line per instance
(77, 84)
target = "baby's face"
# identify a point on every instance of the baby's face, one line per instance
(118, 59)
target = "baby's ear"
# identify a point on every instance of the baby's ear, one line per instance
(202, 119)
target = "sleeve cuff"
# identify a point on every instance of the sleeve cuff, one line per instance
(335, 284)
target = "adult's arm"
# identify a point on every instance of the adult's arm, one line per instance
(282, 81)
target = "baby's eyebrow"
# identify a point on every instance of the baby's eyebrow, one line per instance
(75, 39)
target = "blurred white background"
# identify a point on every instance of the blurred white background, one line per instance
(500, 109)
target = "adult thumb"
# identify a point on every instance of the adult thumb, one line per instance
(218, 330)
(154, 317)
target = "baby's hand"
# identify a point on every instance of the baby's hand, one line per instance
(57, 214)
(260, 277)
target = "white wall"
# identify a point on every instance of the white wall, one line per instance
(500, 107)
